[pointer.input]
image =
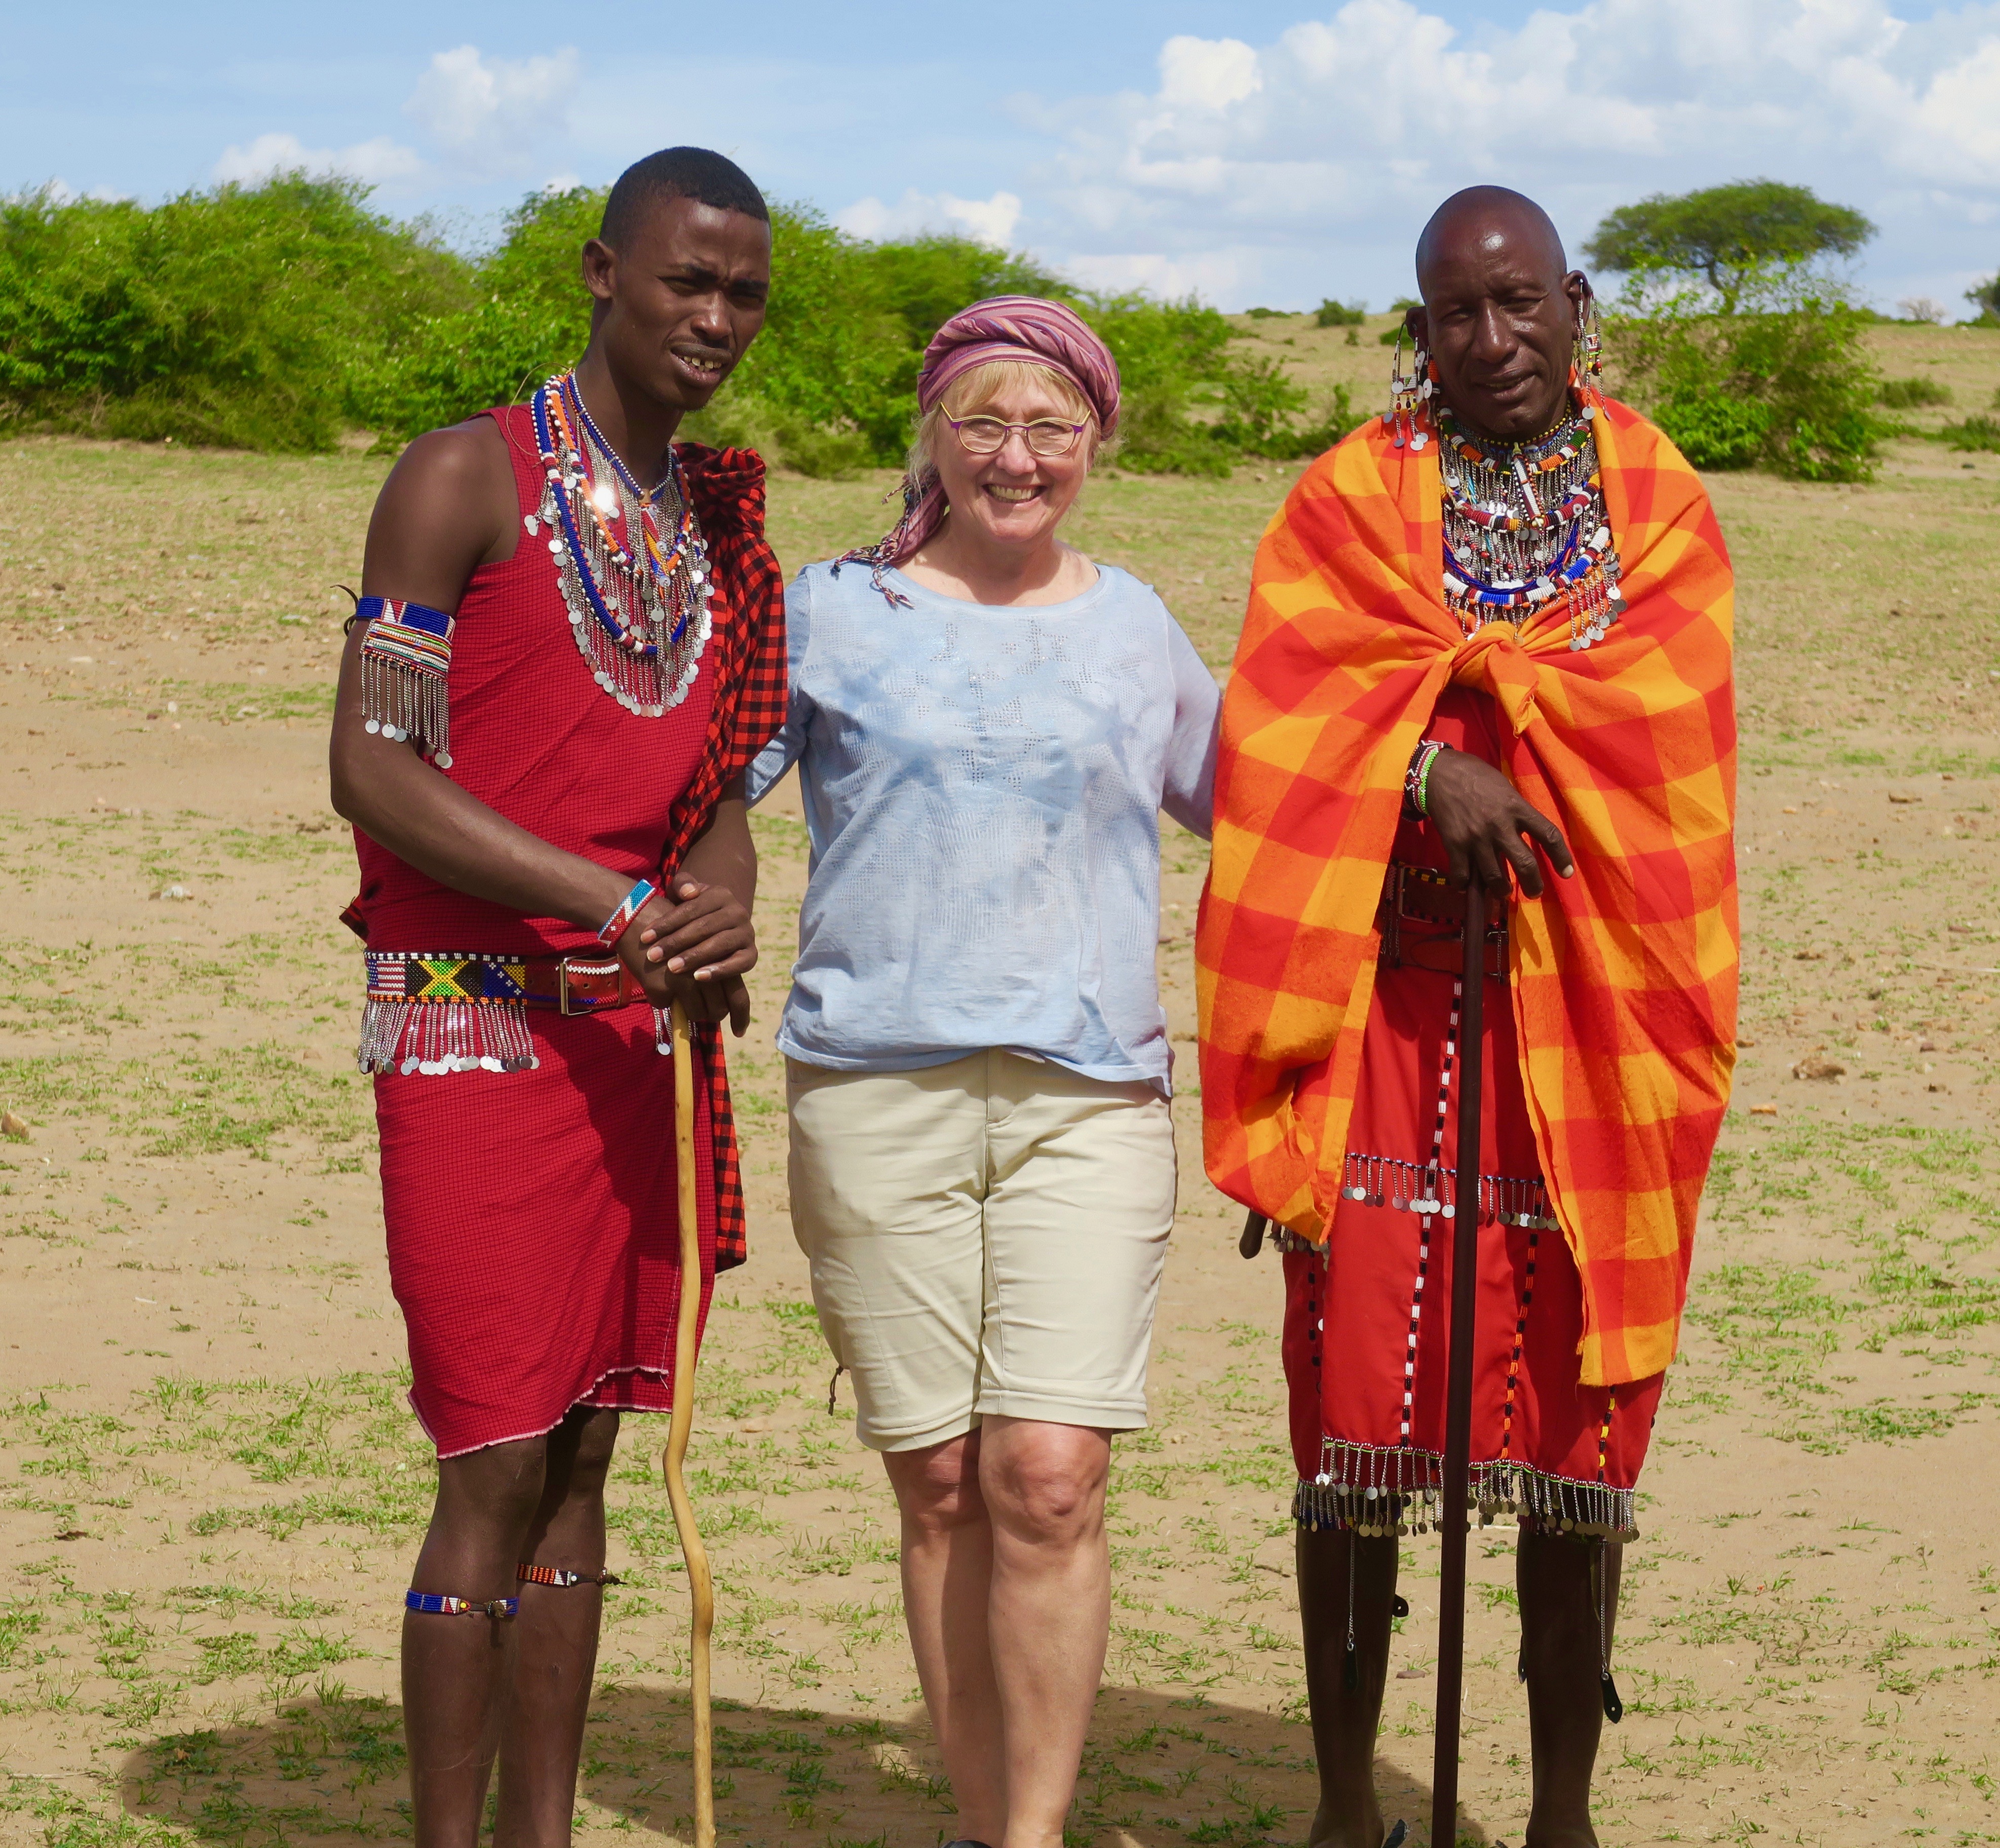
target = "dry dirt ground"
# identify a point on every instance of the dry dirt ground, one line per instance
(209, 1489)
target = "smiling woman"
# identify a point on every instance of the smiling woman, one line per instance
(987, 724)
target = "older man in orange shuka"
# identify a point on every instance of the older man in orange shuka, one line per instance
(1489, 631)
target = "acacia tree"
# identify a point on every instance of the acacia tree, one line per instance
(1985, 297)
(1727, 235)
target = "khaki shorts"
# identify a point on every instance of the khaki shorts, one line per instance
(984, 1236)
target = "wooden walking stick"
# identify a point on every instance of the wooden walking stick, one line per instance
(1454, 1489)
(701, 1589)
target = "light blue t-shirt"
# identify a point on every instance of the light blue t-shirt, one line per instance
(982, 788)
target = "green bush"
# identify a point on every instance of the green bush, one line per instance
(1340, 313)
(1399, 307)
(1974, 433)
(281, 315)
(1791, 388)
(1713, 431)
(1907, 394)
(236, 316)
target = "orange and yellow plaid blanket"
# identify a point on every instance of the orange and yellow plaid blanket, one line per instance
(1624, 977)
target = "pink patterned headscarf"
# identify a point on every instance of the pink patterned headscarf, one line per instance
(1021, 327)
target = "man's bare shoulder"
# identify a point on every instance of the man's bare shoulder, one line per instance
(449, 506)
(468, 459)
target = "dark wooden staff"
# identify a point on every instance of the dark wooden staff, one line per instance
(1454, 1490)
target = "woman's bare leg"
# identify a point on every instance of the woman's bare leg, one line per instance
(1050, 1616)
(947, 1550)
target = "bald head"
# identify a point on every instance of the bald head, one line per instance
(1490, 218)
(1501, 310)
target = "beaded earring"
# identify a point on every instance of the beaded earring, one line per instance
(1589, 352)
(1407, 391)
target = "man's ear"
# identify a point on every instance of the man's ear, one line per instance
(600, 269)
(1419, 321)
(1576, 286)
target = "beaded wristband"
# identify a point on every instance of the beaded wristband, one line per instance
(1416, 779)
(556, 1575)
(435, 1604)
(1424, 779)
(629, 908)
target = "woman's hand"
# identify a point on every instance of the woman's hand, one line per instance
(1480, 817)
(694, 947)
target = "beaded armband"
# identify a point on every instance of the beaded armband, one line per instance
(435, 1604)
(405, 659)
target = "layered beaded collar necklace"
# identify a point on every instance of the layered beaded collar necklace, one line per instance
(638, 601)
(1525, 526)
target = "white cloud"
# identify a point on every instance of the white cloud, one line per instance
(1305, 166)
(61, 192)
(1217, 276)
(495, 115)
(1207, 74)
(373, 161)
(990, 221)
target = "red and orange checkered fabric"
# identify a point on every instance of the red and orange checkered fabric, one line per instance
(1624, 977)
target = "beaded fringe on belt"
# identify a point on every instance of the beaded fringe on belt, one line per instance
(1375, 1489)
(435, 1014)
(437, 1037)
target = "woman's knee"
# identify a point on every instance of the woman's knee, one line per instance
(1045, 1483)
(937, 1487)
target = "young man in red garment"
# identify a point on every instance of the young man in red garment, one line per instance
(571, 643)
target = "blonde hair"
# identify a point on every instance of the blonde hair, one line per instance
(975, 391)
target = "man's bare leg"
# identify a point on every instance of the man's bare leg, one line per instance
(456, 1670)
(1346, 1721)
(947, 1564)
(555, 1649)
(1563, 1648)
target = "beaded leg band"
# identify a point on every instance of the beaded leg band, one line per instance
(554, 1574)
(434, 1604)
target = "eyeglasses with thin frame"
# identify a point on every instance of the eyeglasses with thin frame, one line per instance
(1045, 436)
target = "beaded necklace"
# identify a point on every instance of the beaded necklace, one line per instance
(1525, 525)
(641, 621)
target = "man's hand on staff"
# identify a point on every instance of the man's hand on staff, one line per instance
(694, 947)
(1482, 819)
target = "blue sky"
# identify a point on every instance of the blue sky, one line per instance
(1271, 151)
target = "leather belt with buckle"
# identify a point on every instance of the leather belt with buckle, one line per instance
(1422, 918)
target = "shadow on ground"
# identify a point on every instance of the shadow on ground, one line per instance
(1160, 1769)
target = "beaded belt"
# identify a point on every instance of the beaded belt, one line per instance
(571, 985)
(437, 1013)
(1422, 918)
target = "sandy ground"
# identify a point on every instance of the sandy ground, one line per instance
(209, 1489)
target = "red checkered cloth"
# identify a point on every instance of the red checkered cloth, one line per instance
(747, 656)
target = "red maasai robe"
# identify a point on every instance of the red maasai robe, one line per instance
(532, 1215)
(1367, 1315)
